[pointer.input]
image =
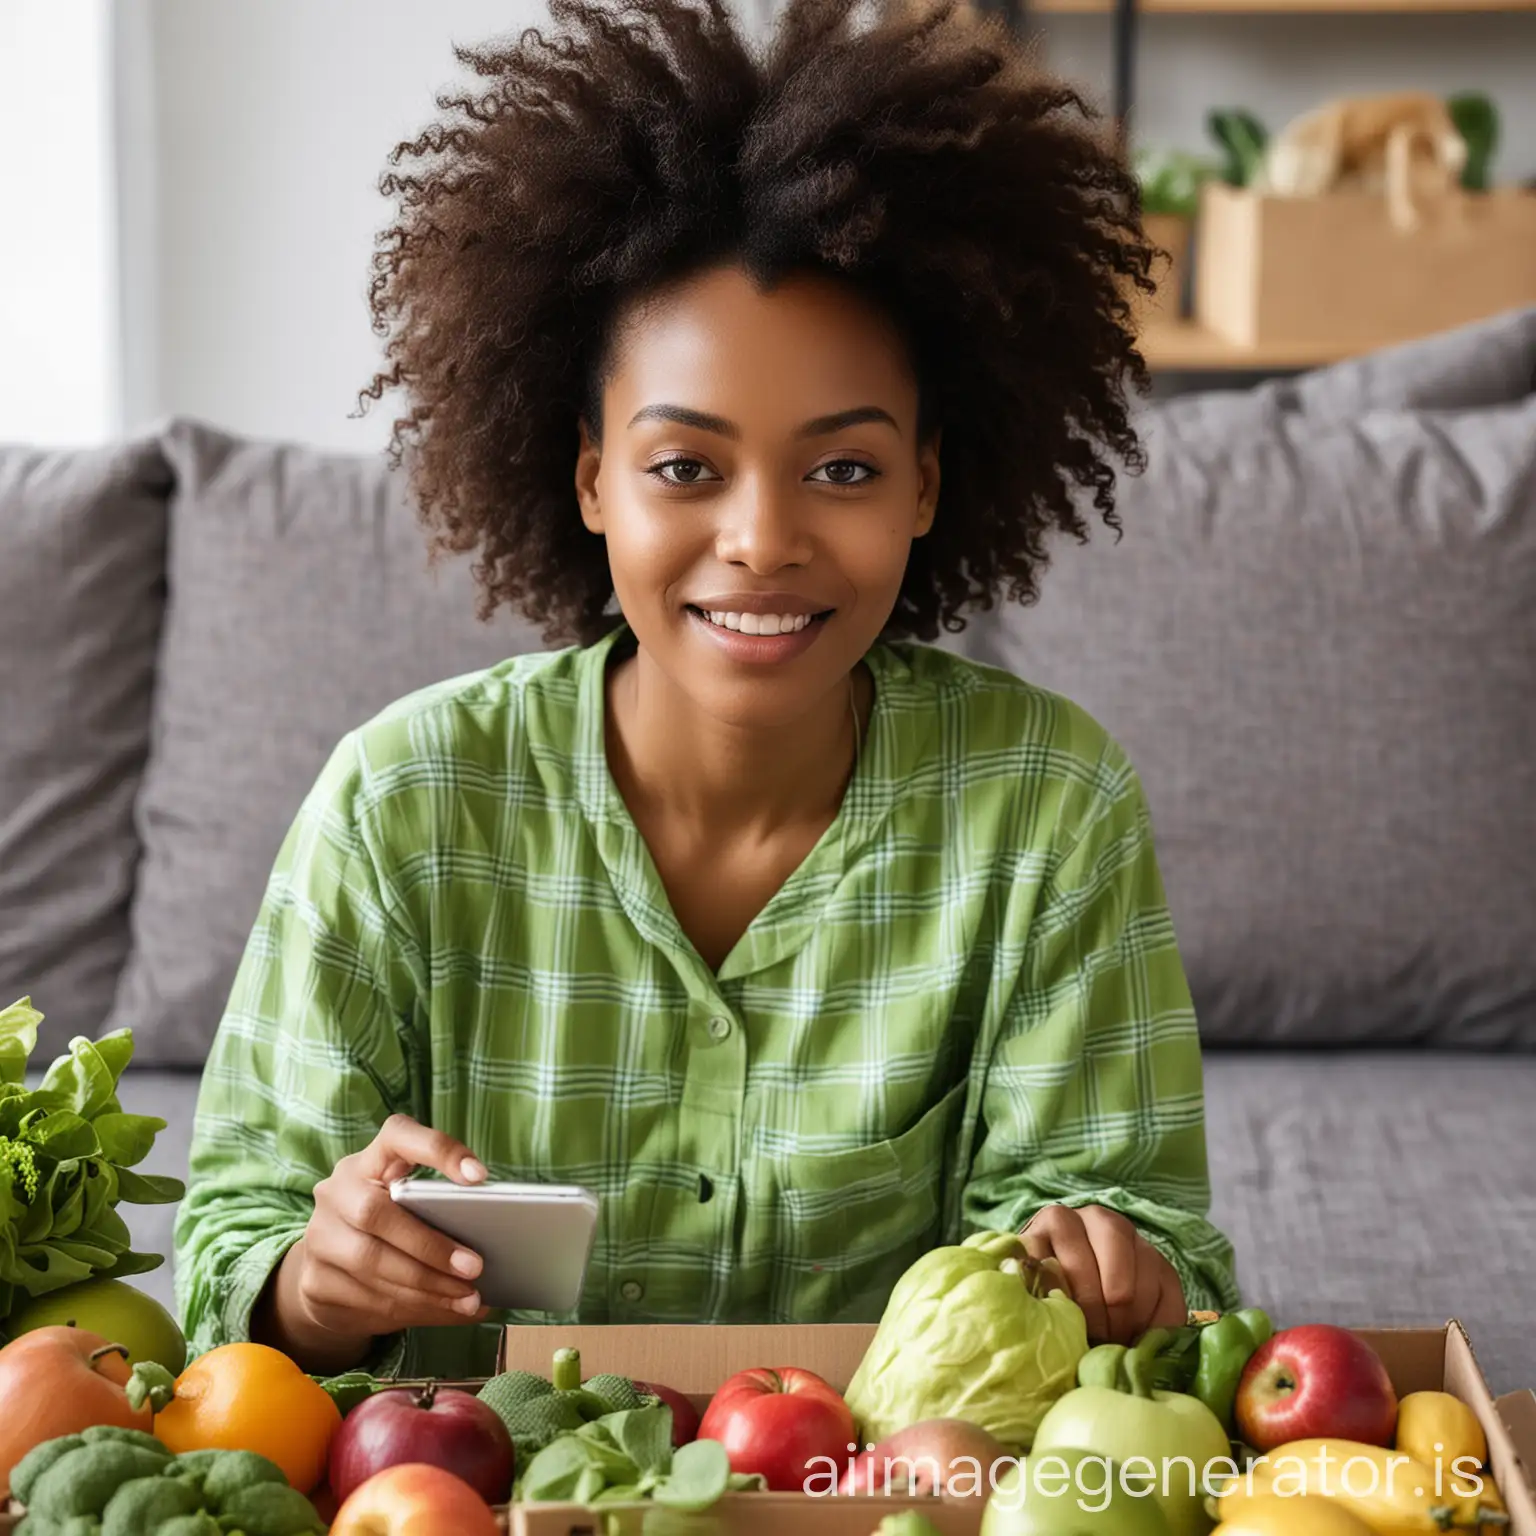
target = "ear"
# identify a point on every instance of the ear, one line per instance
(589, 459)
(928, 484)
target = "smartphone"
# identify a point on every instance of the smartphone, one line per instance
(534, 1240)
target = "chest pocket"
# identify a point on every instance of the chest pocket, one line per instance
(851, 1222)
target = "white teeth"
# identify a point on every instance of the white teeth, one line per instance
(760, 623)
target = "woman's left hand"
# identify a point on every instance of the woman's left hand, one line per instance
(1122, 1283)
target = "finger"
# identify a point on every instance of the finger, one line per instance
(1149, 1288)
(1172, 1310)
(340, 1300)
(1113, 1239)
(363, 1254)
(403, 1144)
(1057, 1232)
(364, 1206)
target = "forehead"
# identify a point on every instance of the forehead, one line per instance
(717, 333)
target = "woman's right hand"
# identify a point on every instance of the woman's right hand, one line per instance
(365, 1266)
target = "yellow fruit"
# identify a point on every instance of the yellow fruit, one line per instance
(1434, 1426)
(1268, 1514)
(248, 1397)
(1391, 1492)
(116, 1311)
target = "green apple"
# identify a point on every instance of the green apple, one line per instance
(1065, 1492)
(116, 1311)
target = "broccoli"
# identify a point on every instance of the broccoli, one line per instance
(37, 1461)
(270, 1509)
(200, 1523)
(232, 1472)
(82, 1480)
(139, 1506)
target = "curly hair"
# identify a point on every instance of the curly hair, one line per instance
(922, 158)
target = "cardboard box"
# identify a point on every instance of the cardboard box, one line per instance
(696, 1359)
(1333, 271)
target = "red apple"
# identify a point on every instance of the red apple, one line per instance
(685, 1417)
(934, 1456)
(776, 1422)
(448, 1429)
(1315, 1382)
(414, 1499)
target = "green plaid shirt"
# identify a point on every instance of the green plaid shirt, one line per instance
(965, 1004)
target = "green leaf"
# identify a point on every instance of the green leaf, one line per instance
(134, 1264)
(127, 1139)
(116, 1051)
(644, 1435)
(557, 1470)
(82, 1078)
(87, 1253)
(700, 1474)
(43, 1268)
(148, 1188)
(61, 1133)
(1477, 121)
(18, 1039)
(1243, 140)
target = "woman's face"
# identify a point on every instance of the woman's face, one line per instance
(759, 485)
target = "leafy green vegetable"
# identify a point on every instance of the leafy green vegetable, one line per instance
(1477, 121)
(1242, 139)
(700, 1473)
(1171, 180)
(67, 1154)
(973, 1331)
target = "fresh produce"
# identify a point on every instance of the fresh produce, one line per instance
(1166, 1361)
(1226, 1345)
(448, 1429)
(535, 1410)
(1436, 1427)
(1066, 1492)
(1388, 1490)
(59, 1381)
(114, 1310)
(1175, 1433)
(249, 1397)
(1273, 1514)
(626, 1456)
(979, 1331)
(414, 1499)
(1315, 1381)
(67, 1154)
(907, 1523)
(937, 1456)
(349, 1389)
(119, 1482)
(776, 1423)
(685, 1417)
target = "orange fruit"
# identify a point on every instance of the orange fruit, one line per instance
(250, 1397)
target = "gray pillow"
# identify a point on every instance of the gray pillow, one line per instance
(82, 570)
(1318, 645)
(301, 603)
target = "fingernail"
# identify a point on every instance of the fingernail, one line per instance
(469, 1305)
(465, 1262)
(472, 1169)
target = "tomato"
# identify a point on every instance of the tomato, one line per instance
(777, 1423)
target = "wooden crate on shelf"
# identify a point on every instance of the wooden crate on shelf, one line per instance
(1330, 274)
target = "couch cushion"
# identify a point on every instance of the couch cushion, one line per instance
(1317, 642)
(301, 603)
(82, 571)
(1391, 1190)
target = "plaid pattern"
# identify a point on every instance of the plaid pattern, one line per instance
(965, 1004)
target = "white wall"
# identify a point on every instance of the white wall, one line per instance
(58, 300)
(273, 119)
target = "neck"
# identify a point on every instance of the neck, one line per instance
(671, 760)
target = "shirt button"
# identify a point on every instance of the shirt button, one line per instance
(631, 1290)
(719, 1027)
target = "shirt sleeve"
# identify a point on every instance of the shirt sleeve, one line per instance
(310, 1058)
(1093, 1092)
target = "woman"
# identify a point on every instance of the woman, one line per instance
(805, 944)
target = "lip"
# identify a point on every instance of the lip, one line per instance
(759, 602)
(759, 649)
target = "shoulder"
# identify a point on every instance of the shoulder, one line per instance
(457, 735)
(995, 731)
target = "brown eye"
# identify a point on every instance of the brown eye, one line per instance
(689, 471)
(841, 472)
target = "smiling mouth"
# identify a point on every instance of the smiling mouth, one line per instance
(761, 623)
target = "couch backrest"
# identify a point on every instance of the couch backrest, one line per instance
(1317, 640)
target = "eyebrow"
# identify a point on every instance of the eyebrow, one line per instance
(818, 426)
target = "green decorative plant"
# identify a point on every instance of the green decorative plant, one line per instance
(67, 1154)
(1242, 139)
(1477, 121)
(1171, 180)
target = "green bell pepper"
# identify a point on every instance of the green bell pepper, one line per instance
(1162, 1358)
(1226, 1347)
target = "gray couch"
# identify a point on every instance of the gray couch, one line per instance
(1317, 640)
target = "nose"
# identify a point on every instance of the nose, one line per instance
(763, 529)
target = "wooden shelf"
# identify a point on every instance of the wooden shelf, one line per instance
(1170, 345)
(1276, 7)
